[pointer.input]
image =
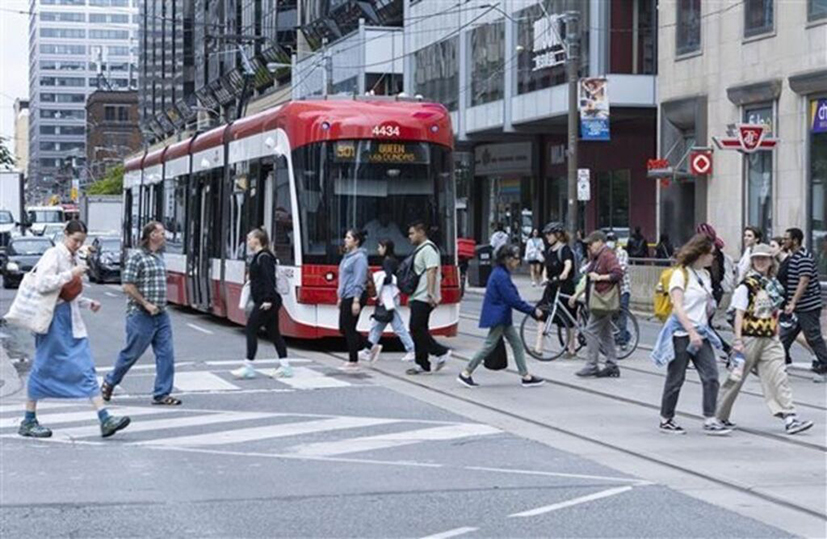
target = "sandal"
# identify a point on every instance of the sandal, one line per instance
(106, 391)
(168, 400)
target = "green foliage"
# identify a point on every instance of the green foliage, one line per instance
(110, 184)
(6, 158)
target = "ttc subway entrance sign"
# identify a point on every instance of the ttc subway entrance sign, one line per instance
(700, 162)
(746, 138)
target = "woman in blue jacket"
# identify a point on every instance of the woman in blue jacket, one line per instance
(353, 273)
(501, 296)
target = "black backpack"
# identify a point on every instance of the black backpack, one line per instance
(406, 277)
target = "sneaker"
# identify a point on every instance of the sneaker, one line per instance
(728, 424)
(587, 371)
(245, 372)
(349, 366)
(440, 361)
(796, 425)
(364, 354)
(467, 381)
(611, 371)
(113, 424)
(374, 352)
(416, 371)
(670, 427)
(282, 372)
(33, 429)
(532, 382)
(410, 356)
(716, 428)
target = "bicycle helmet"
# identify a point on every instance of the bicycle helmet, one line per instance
(553, 228)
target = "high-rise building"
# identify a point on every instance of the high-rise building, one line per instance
(75, 47)
(21, 134)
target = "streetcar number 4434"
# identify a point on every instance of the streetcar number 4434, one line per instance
(386, 131)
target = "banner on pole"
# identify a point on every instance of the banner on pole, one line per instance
(594, 109)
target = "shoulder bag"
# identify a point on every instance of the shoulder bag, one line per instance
(30, 309)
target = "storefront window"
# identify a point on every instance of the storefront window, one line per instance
(436, 72)
(816, 10)
(613, 201)
(487, 57)
(510, 206)
(759, 175)
(818, 186)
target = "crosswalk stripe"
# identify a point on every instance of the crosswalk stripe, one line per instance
(170, 423)
(202, 381)
(271, 431)
(20, 407)
(49, 420)
(237, 362)
(305, 378)
(396, 439)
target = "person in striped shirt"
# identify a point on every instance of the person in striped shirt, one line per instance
(804, 300)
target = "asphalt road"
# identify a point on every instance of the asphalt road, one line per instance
(369, 455)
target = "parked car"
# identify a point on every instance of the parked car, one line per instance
(53, 231)
(21, 256)
(104, 260)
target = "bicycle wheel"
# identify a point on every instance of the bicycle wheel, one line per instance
(626, 350)
(543, 343)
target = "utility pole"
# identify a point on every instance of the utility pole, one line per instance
(572, 70)
(328, 69)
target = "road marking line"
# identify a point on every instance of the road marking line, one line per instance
(271, 431)
(111, 295)
(202, 381)
(72, 417)
(236, 362)
(570, 503)
(396, 439)
(17, 408)
(636, 482)
(451, 533)
(114, 287)
(178, 364)
(305, 378)
(170, 423)
(198, 328)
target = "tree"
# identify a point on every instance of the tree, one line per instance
(6, 158)
(110, 184)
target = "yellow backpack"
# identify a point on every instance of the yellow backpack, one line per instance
(662, 300)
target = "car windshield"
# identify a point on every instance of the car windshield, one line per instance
(45, 216)
(6, 218)
(109, 245)
(30, 247)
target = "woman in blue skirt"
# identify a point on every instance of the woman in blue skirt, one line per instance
(63, 366)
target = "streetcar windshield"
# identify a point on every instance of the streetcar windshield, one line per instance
(380, 187)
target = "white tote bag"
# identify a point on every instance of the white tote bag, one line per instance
(30, 309)
(245, 298)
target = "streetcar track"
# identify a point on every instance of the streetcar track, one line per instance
(650, 458)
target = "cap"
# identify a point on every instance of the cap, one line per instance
(553, 228)
(597, 235)
(761, 249)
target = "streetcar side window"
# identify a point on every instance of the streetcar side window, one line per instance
(243, 202)
(174, 200)
(283, 215)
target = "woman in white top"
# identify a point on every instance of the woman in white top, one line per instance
(534, 248)
(691, 292)
(752, 236)
(63, 367)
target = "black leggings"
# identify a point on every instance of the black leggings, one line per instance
(270, 320)
(347, 327)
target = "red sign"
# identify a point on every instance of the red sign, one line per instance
(657, 164)
(748, 138)
(700, 162)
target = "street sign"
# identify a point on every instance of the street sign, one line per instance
(659, 168)
(584, 192)
(700, 162)
(747, 138)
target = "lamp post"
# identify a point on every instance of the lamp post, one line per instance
(572, 71)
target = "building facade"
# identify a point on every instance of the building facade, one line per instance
(112, 131)
(21, 135)
(756, 62)
(75, 47)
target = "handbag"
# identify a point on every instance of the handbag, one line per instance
(245, 298)
(30, 309)
(605, 303)
(72, 289)
(497, 360)
(382, 314)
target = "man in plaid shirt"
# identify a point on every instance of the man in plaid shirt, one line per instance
(625, 289)
(147, 321)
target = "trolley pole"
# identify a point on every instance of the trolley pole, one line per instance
(572, 68)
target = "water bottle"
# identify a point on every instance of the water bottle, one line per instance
(737, 371)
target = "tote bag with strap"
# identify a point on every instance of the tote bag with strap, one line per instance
(605, 303)
(30, 309)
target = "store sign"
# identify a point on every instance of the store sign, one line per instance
(747, 138)
(594, 109)
(548, 48)
(659, 168)
(818, 116)
(511, 157)
(700, 162)
(583, 185)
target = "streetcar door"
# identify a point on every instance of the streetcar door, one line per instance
(198, 261)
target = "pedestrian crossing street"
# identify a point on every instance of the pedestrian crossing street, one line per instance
(286, 434)
(307, 375)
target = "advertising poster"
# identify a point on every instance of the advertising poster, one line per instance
(594, 109)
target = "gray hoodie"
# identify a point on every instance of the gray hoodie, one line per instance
(353, 272)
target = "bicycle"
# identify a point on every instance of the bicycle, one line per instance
(549, 341)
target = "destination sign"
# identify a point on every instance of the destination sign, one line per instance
(373, 152)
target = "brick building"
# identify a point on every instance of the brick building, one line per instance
(113, 131)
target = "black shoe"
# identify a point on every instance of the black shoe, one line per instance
(587, 371)
(612, 371)
(670, 427)
(728, 424)
(819, 368)
(532, 382)
(467, 381)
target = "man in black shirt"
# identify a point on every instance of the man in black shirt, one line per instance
(804, 295)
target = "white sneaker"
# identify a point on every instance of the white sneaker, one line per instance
(410, 356)
(349, 367)
(245, 372)
(282, 372)
(375, 350)
(440, 361)
(364, 354)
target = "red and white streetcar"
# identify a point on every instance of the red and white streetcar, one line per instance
(305, 171)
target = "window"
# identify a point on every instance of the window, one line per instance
(109, 3)
(487, 62)
(613, 199)
(759, 173)
(48, 129)
(108, 18)
(436, 72)
(113, 113)
(174, 206)
(62, 98)
(62, 2)
(72, 82)
(118, 51)
(63, 49)
(109, 34)
(62, 17)
(62, 65)
(818, 185)
(63, 33)
(123, 114)
(688, 27)
(283, 214)
(50, 162)
(63, 114)
(816, 10)
(109, 113)
(758, 17)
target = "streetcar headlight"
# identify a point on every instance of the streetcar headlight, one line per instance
(325, 126)
(329, 276)
(434, 128)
